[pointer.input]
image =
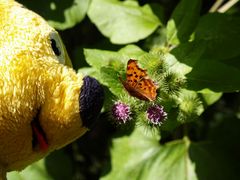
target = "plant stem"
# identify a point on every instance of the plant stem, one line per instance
(216, 5)
(227, 6)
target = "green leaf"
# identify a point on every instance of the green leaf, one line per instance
(123, 22)
(57, 165)
(218, 157)
(176, 66)
(183, 21)
(157, 40)
(189, 53)
(209, 96)
(220, 32)
(212, 162)
(132, 50)
(101, 58)
(86, 71)
(214, 75)
(35, 171)
(110, 78)
(206, 73)
(61, 15)
(213, 55)
(140, 156)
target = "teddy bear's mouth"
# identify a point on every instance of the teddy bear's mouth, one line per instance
(39, 140)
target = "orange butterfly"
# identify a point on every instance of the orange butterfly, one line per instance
(137, 83)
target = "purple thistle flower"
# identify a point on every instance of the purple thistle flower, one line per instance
(121, 112)
(156, 115)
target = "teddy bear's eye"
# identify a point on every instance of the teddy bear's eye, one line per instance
(57, 47)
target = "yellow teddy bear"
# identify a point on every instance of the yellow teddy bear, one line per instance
(44, 104)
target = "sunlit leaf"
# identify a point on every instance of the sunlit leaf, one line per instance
(35, 171)
(209, 96)
(183, 21)
(123, 21)
(141, 157)
(100, 58)
(60, 14)
(57, 165)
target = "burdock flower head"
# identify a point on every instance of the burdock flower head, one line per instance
(121, 112)
(156, 114)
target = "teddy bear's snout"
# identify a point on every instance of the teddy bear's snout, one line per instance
(90, 101)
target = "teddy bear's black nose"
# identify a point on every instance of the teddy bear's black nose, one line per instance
(90, 101)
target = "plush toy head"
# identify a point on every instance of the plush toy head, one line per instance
(44, 104)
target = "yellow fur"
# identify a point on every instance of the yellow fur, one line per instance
(32, 80)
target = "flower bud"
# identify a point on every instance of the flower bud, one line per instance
(156, 115)
(121, 112)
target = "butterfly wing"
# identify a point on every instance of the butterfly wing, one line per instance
(147, 89)
(137, 83)
(134, 73)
